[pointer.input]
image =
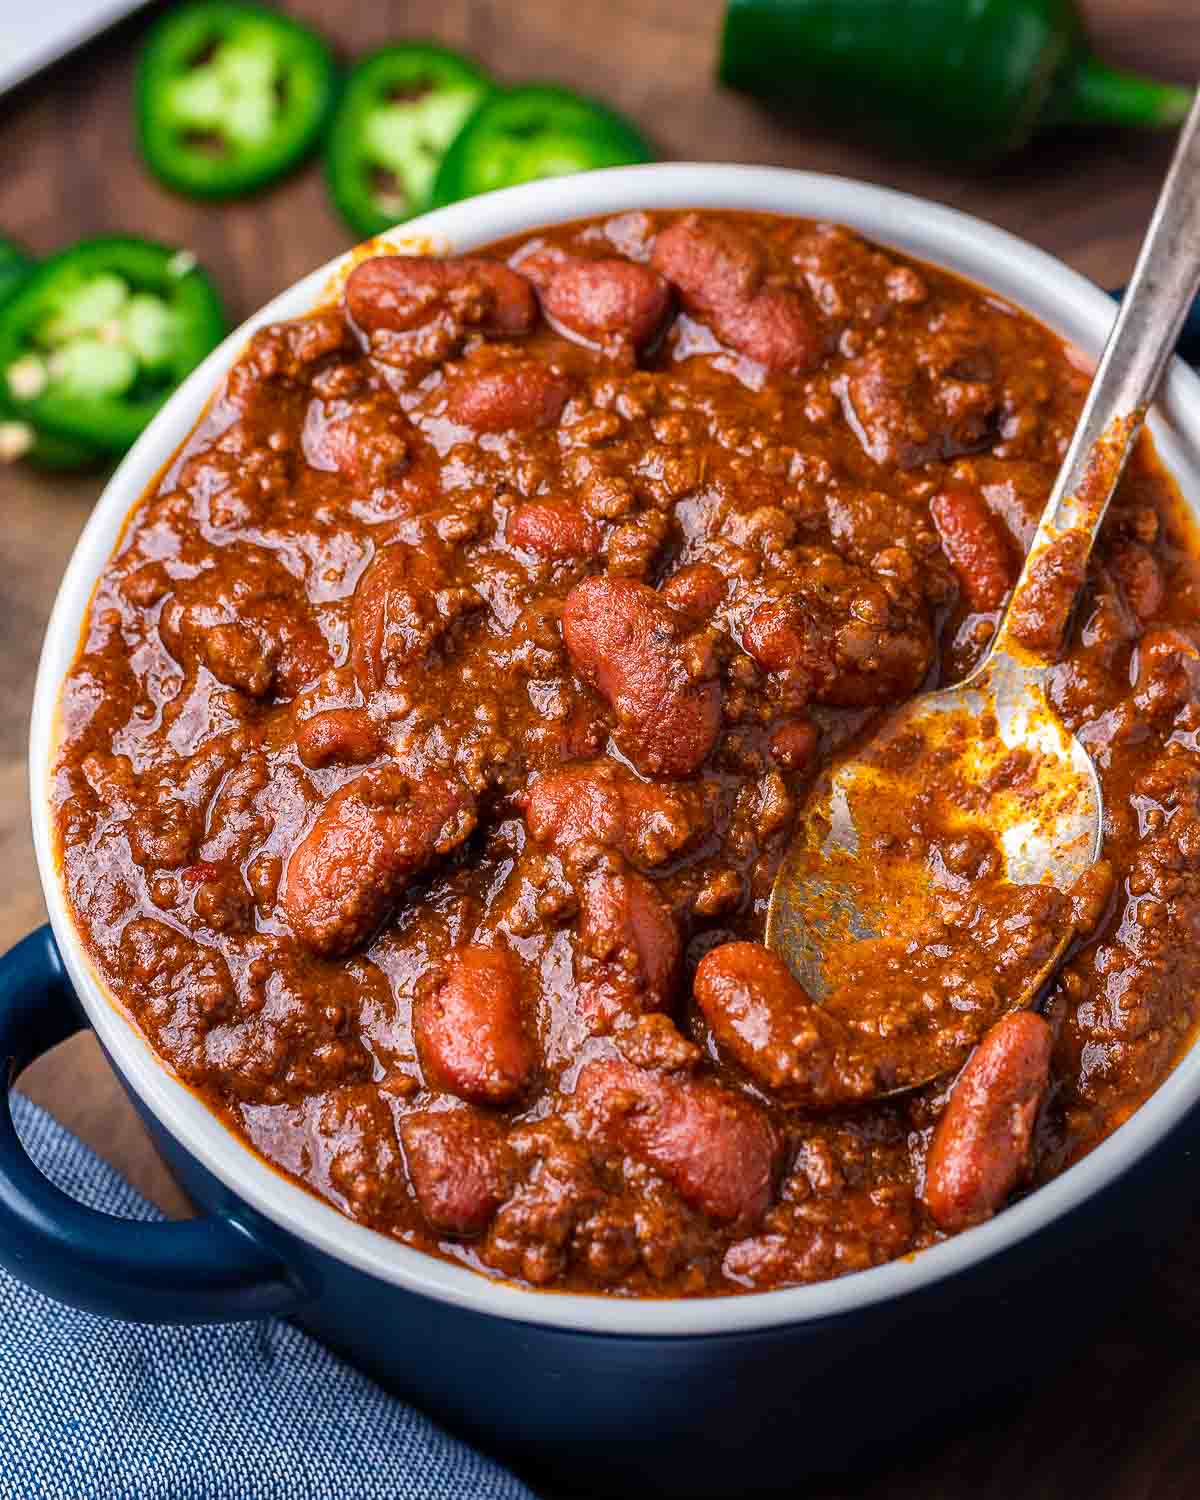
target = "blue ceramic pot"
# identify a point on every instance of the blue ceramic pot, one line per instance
(705, 1396)
(718, 1414)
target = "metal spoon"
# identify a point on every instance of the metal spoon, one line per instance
(1007, 768)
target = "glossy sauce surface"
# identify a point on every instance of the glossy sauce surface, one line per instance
(443, 716)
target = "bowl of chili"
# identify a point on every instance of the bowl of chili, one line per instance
(704, 1394)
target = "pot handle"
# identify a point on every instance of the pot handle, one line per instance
(204, 1270)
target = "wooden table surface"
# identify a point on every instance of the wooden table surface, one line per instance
(70, 169)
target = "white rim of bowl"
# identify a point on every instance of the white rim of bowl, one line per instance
(990, 256)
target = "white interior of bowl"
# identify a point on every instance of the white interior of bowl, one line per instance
(1063, 299)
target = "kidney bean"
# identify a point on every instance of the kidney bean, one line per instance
(460, 1167)
(1090, 896)
(343, 736)
(1140, 578)
(616, 304)
(395, 616)
(712, 264)
(624, 922)
(469, 1030)
(717, 1149)
(720, 272)
(978, 546)
(518, 396)
(778, 637)
(625, 641)
(368, 841)
(772, 328)
(583, 803)
(765, 1018)
(603, 804)
(785, 638)
(402, 292)
(982, 1142)
(793, 744)
(553, 529)
(695, 591)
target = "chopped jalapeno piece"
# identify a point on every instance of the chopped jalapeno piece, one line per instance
(229, 96)
(97, 338)
(539, 131)
(401, 109)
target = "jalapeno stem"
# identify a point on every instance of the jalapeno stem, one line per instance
(1092, 93)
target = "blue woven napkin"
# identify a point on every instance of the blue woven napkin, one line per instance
(95, 1409)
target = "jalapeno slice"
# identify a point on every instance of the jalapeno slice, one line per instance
(400, 110)
(15, 267)
(539, 131)
(99, 336)
(229, 96)
(19, 438)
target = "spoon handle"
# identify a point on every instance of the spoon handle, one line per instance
(1156, 304)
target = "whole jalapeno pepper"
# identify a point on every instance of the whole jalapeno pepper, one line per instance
(960, 80)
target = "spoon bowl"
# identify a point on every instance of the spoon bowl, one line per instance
(942, 869)
(1016, 802)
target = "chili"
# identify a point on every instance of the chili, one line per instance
(229, 96)
(400, 110)
(532, 132)
(443, 717)
(954, 79)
